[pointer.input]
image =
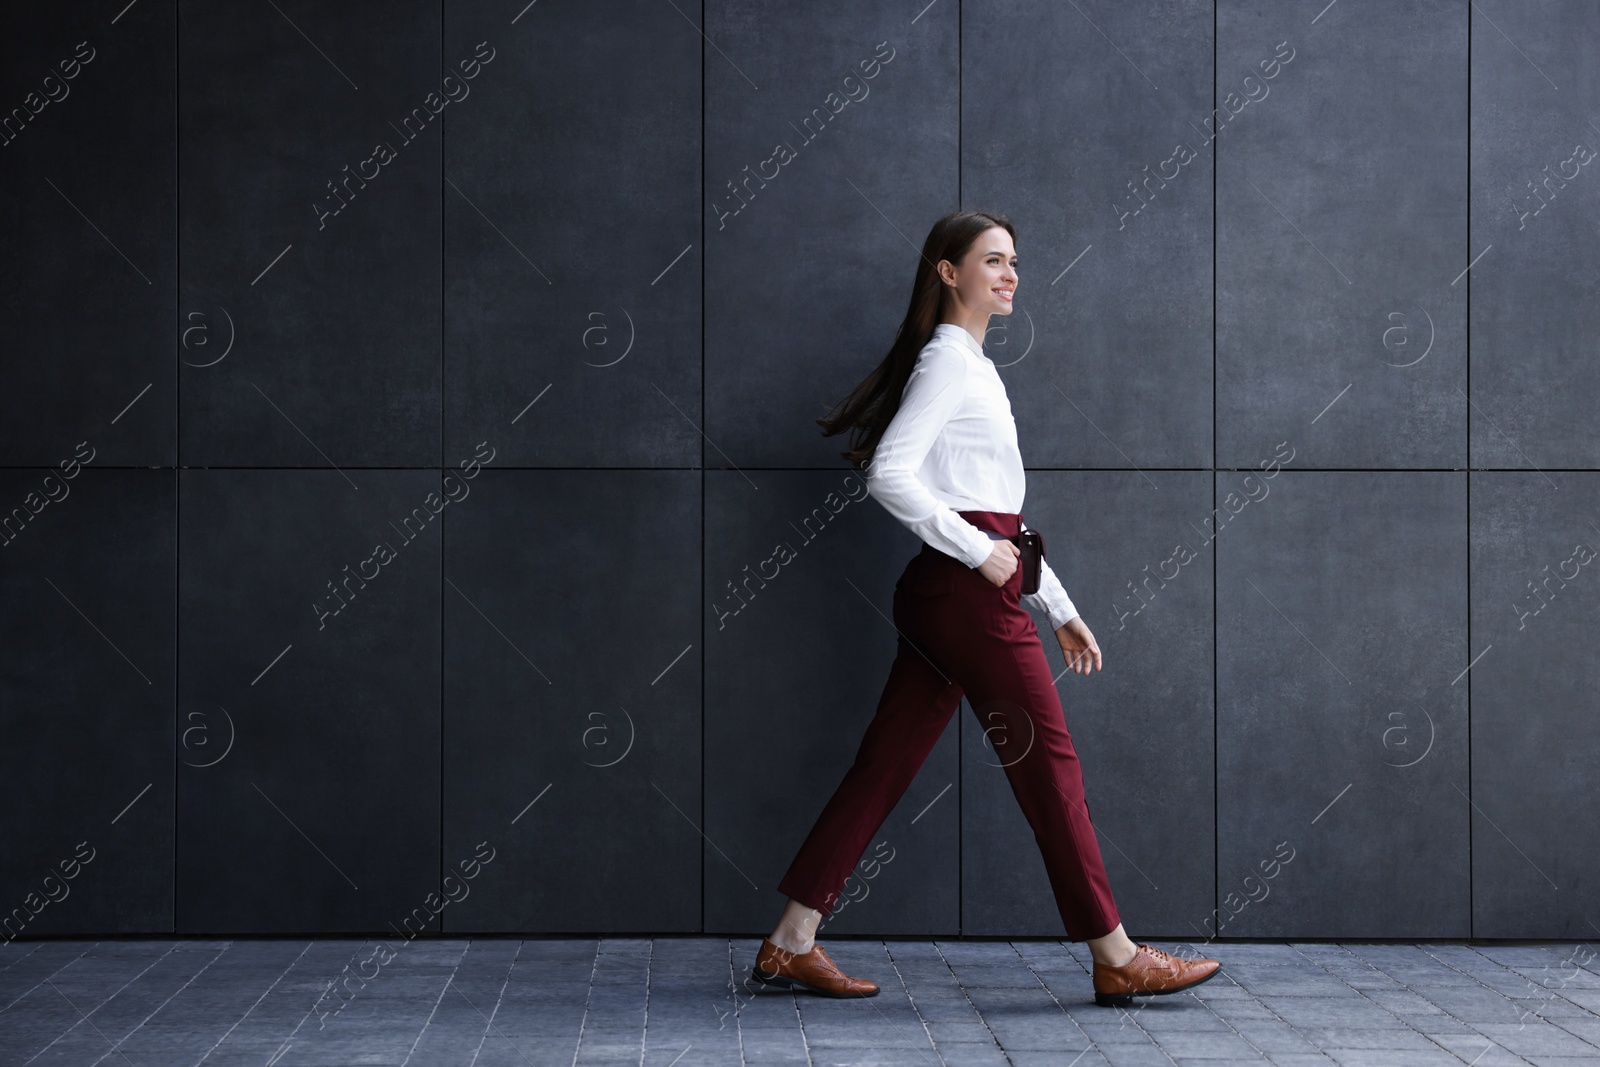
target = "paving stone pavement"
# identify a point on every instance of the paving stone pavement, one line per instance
(682, 1002)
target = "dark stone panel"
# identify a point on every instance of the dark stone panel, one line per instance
(1129, 550)
(1341, 207)
(798, 645)
(86, 700)
(1535, 603)
(1091, 188)
(1534, 203)
(309, 650)
(572, 754)
(87, 195)
(309, 235)
(571, 207)
(821, 183)
(1342, 713)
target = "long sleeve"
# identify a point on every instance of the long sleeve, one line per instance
(1051, 598)
(931, 396)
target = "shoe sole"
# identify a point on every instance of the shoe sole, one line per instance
(1122, 1000)
(781, 981)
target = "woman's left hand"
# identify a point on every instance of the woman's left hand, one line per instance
(1078, 645)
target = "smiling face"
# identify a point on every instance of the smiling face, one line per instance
(985, 281)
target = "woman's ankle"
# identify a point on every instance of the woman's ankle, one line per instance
(787, 945)
(1115, 949)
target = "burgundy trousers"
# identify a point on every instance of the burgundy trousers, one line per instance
(962, 635)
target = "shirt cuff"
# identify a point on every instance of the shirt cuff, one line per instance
(982, 546)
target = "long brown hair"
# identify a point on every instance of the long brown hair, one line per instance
(869, 407)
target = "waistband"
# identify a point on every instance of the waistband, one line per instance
(1004, 523)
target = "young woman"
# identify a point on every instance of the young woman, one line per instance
(932, 425)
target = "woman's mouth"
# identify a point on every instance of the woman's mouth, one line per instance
(1004, 294)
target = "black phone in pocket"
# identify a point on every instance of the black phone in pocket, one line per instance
(1031, 544)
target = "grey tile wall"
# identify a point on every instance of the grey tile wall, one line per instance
(573, 257)
(308, 158)
(87, 147)
(572, 732)
(1535, 601)
(1340, 300)
(309, 653)
(87, 696)
(1342, 712)
(558, 338)
(1534, 142)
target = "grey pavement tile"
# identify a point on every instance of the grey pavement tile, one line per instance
(1246, 952)
(1087, 1058)
(1545, 1038)
(1111, 1031)
(1134, 1056)
(1441, 1027)
(1359, 976)
(973, 1053)
(959, 952)
(1223, 983)
(1385, 1057)
(1403, 1002)
(1207, 1043)
(1352, 1011)
(870, 1056)
(1431, 975)
(1267, 980)
(1238, 1013)
(1013, 975)
(1510, 984)
(1033, 945)
(914, 1039)
(1234, 1014)
(1389, 1037)
(1556, 1010)
(963, 1030)
(1070, 989)
(1027, 1000)
(1175, 1012)
(752, 1048)
(1481, 1006)
(1479, 1051)
(1588, 1029)
(1069, 976)
(1523, 955)
(1586, 998)
(1059, 1032)
(1557, 977)
(946, 1009)
(1273, 1038)
(1202, 1043)
(919, 966)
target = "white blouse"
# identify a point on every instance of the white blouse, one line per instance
(952, 447)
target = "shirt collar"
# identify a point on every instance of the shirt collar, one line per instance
(950, 331)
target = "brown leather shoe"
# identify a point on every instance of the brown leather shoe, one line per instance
(813, 971)
(1151, 972)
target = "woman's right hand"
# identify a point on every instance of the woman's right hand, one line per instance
(1002, 562)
